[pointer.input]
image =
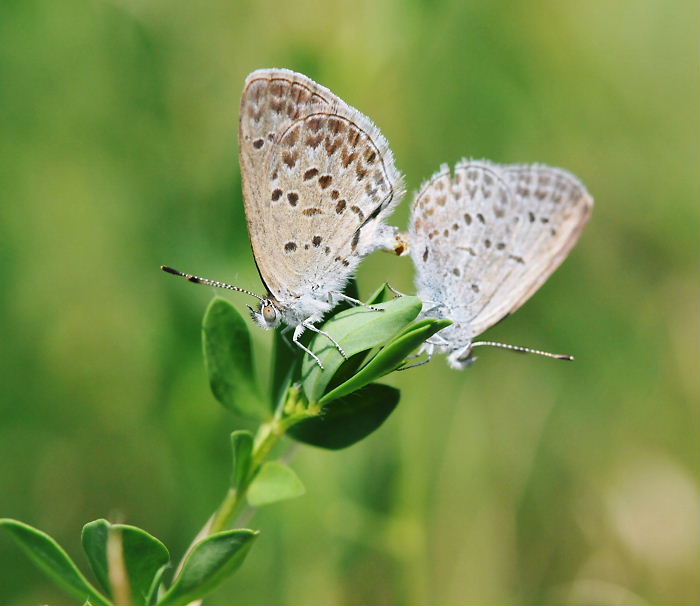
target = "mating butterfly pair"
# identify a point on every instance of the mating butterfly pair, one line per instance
(319, 183)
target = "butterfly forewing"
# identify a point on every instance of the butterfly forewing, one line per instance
(319, 177)
(483, 242)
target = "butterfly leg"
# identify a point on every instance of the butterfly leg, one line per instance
(298, 331)
(437, 339)
(342, 296)
(313, 328)
(398, 293)
(285, 331)
(429, 350)
(427, 313)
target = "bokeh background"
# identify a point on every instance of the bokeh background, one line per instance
(519, 481)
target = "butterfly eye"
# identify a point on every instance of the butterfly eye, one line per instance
(269, 313)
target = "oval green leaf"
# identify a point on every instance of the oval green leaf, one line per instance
(389, 358)
(357, 329)
(274, 482)
(349, 419)
(229, 360)
(94, 539)
(52, 559)
(144, 557)
(143, 554)
(209, 563)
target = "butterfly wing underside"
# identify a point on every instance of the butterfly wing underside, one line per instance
(319, 180)
(485, 239)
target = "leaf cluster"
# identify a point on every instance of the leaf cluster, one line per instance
(331, 407)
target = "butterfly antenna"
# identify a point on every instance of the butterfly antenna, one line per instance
(207, 282)
(519, 349)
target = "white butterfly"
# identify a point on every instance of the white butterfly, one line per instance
(484, 240)
(319, 182)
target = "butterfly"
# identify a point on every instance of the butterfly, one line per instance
(319, 182)
(484, 239)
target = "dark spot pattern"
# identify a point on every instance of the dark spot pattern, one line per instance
(293, 198)
(276, 195)
(316, 241)
(289, 159)
(348, 158)
(290, 247)
(310, 174)
(332, 145)
(358, 211)
(313, 141)
(314, 124)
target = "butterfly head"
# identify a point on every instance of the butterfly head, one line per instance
(267, 315)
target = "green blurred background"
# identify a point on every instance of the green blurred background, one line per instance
(518, 481)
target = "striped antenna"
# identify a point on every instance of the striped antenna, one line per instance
(519, 349)
(207, 282)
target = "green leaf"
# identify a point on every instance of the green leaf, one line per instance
(274, 482)
(94, 539)
(381, 295)
(51, 558)
(349, 419)
(144, 556)
(229, 360)
(209, 563)
(242, 450)
(356, 330)
(389, 357)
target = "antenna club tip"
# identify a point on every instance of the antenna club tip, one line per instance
(568, 358)
(169, 270)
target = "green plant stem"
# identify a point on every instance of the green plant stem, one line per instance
(267, 436)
